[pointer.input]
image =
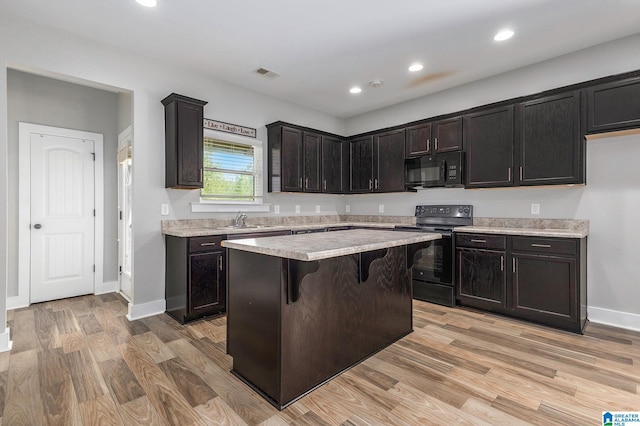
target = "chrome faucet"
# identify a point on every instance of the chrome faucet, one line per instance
(241, 220)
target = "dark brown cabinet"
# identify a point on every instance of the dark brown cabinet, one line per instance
(480, 261)
(388, 173)
(311, 154)
(376, 163)
(361, 164)
(333, 165)
(285, 158)
(184, 133)
(418, 140)
(549, 141)
(614, 106)
(533, 278)
(301, 160)
(489, 142)
(195, 282)
(447, 135)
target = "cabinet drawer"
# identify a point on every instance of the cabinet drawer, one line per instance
(208, 243)
(545, 245)
(481, 241)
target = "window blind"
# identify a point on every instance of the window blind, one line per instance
(229, 171)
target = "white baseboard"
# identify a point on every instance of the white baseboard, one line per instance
(615, 318)
(5, 341)
(106, 287)
(15, 302)
(143, 310)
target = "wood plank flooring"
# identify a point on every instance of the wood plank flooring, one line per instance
(80, 362)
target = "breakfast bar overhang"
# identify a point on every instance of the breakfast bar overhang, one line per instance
(304, 308)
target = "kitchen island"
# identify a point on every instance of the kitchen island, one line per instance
(304, 308)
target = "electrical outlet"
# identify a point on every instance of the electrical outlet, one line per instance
(297, 208)
(347, 208)
(276, 209)
(317, 208)
(535, 208)
(164, 209)
(380, 208)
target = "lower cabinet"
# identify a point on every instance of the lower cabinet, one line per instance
(538, 279)
(195, 281)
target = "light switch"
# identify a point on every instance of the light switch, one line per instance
(535, 208)
(317, 208)
(297, 208)
(276, 209)
(164, 209)
(380, 208)
(347, 208)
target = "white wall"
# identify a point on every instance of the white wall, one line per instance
(57, 54)
(610, 200)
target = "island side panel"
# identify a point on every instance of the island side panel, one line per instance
(253, 320)
(313, 344)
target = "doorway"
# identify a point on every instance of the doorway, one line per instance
(61, 212)
(125, 245)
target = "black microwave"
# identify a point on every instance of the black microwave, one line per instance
(430, 171)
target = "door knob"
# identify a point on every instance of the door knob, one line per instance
(37, 226)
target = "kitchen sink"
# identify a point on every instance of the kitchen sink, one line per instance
(246, 227)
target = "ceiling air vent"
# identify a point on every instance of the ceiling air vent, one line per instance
(267, 73)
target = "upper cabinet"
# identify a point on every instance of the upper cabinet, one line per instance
(549, 141)
(447, 135)
(333, 163)
(418, 140)
(301, 160)
(376, 163)
(184, 135)
(613, 106)
(489, 142)
(434, 137)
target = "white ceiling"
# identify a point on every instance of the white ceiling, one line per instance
(322, 48)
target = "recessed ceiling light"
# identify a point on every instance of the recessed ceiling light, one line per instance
(503, 35)
(415, 67)
(147, 3)
(355, 89)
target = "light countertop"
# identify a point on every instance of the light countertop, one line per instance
(527, 232)
(323, 245)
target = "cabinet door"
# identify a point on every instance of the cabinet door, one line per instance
(447, 135)
(291, 159)
(206, 285)
(332, 165)
(488, 137)
(183, 142)
(389, 161)
(544, 289)
(481, 280)
(549, 140)
(361, 164)
(613, 106)
(311, 161)
(418, 140)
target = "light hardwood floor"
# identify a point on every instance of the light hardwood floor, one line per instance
(79, 361)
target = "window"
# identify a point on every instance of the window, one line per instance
(232, 171)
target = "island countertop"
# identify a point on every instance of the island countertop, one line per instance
(324, 245)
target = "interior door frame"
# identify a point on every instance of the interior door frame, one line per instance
(24, 206)
(125, 140)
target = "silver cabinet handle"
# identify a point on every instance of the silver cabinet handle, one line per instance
(306, 183)
(520, 172)
(514, 265)
(207, 244)
(376, 184)
(541, 245)
(509, 179)
(300, 184)
(478, 241)
(370, 184)
(428, 145)
(501, 263)
(436, 144)
(324, 184)
(220, 263)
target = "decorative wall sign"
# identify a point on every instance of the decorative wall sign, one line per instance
(229, 128)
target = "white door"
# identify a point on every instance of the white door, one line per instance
(124, 226)
(62, 217)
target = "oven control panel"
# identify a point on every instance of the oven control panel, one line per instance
(445, 211)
